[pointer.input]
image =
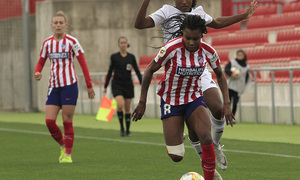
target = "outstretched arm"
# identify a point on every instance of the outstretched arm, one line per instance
(139, 111)
(141, 21)
(222, 22)
(224, 89)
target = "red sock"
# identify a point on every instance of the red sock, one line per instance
(69, 137)
(55, 131)
(208, 161)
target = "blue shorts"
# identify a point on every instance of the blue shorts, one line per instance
(168, 110)
(66, 95)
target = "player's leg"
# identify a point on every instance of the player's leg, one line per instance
(173, 125)
(214, 103)
(127, 115)
(128, 95)
(198, 120)
(67, 115)
(173, 129)
(53, 106)
(120, 105)
(51, 115)
(69, 96)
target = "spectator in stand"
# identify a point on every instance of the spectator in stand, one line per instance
(239, 79)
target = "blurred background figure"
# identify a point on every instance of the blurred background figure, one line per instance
(121, 63)
(239, 79)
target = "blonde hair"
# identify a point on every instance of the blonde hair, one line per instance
(60, 14)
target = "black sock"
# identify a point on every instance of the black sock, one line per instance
(127, 120)
(120, 116)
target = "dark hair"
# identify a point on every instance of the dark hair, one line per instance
(194, 4)
(182, 22)
(245, 55)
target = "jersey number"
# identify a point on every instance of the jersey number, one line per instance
(167, 109)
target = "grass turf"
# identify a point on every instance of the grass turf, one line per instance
(28, 152)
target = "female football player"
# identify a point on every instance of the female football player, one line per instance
(185, 59)
(209, 88)
(63, 90)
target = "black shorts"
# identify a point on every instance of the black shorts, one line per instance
(127, 91)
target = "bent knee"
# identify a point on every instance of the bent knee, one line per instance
(206, 140)
(176, 153)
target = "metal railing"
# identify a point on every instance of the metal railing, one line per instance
(99, 79)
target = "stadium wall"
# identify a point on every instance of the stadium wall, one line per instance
(95, 23)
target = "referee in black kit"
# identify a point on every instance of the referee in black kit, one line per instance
(121, 63)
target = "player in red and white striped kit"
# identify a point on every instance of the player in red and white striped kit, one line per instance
(61, 48)
(185, 59)
(209, 88)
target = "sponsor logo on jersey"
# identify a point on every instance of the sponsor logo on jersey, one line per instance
(59, 55)
(190, 71)
(214, 58)
(162, 52)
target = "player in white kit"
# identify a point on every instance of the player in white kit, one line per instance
(220, 113)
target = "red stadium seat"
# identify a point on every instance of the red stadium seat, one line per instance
(264, 10)
(144, 61)
(291, 7)
(285, 19)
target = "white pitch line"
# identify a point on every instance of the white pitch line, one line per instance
(142, 142)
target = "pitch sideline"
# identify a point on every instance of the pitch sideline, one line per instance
(142, 142)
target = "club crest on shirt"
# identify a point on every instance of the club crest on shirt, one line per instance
(161, 52)
(200, 60)
(63, 46)
(128, 67)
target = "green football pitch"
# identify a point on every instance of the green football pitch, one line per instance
(253, 151)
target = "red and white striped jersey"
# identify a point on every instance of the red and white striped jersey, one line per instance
(183, 70)
(61, 54)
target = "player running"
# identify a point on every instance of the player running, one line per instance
(185, 59)
(209, 88)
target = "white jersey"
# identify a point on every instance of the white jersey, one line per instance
(183, 70)
(160, 16)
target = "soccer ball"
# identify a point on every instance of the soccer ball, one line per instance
(236, 71)
(191, 176)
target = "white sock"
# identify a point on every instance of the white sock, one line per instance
(197, 146)
(217, 128)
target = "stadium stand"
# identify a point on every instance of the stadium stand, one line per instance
(291, 7)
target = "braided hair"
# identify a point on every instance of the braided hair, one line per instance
(181, 22)
(194, 3)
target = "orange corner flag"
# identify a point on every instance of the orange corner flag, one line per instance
(106, 109)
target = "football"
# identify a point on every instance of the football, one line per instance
(236, 71)
(191, 176)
